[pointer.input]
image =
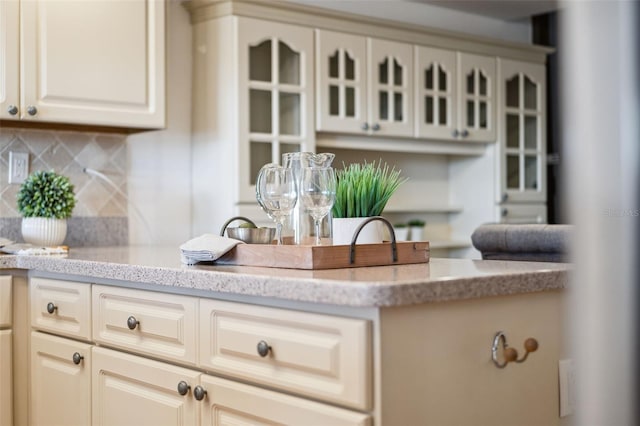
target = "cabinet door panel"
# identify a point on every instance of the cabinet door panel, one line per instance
(5, 301)
(522, 214)
(60, 389)
(72, 302)
(231, 403)
(166, 325)
(6, 378)
(522, 155)
(9, 58)
(98, 62)
(316, 355)
(390, 87)
(436, 100)
(477, 94)
(129, 390)
(341, 82)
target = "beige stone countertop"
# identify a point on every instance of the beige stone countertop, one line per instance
(438, 280)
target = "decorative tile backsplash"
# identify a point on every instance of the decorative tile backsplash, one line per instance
(68, 153)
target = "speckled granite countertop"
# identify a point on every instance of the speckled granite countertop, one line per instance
(438, 280)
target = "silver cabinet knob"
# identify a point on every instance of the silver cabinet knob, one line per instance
(51, 308)
(199, 393)
(504, 212)
(375, 127)
(464, 133)
(132, 322)
(31, 110)
(77, 358)
(183, 388)
(505, 197)
(365, 126)
(455, 133)
(263, 348)
(13, 110)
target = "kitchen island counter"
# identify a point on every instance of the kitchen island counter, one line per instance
(396, 285)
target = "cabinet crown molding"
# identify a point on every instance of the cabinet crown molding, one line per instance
(316, 17)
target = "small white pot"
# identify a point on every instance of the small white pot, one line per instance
(402, 234)
(344, 228)
(44, 232)
(415, 233)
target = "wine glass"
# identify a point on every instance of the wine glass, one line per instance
(276, 194)
(318, 193)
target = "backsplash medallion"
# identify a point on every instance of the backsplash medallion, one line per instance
(68, 153)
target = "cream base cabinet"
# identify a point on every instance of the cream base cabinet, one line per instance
(94, 63)
(60, 381)
(364, 85)
(6, 378)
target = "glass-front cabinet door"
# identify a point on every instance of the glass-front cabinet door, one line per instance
(390, 87)
(275, 96)
(436, 103)
(522, 159)
(341, 75)
(477, 77)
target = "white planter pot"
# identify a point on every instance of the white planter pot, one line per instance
(344, 228)
(402, 234)
(415, 233)
(44, 232)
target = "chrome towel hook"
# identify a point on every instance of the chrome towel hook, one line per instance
(510, 354)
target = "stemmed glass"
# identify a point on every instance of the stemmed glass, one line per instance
(318, 193)
(276, 194)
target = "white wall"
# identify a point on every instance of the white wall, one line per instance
(431, 16)
(159, 169)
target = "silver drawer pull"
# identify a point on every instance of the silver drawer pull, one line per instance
(51, 308)
(263, 348)
(132, 322)
(77, 358)
(183, 388)
(199, 393)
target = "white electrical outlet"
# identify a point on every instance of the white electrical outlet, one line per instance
(567, 381)
(18, 166)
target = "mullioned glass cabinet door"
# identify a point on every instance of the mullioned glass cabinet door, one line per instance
(436, 93)
(390, 87)
(275, 96)
(477, 97)
(522, 159)
(341, 75)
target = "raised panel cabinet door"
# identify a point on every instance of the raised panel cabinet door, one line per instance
(61, 307)
(436, 93)
(60, 381)
(522, 158)
(521, 213)
(477, 97)
(275, 96)
(6, 378)
(156, 324)
(232, 403)
(9, 60)
(130, 390)
(100, 62)
(341, 82)
(319, 356)
(5, 301)
(390, 78)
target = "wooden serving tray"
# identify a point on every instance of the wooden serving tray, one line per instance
(325, 257)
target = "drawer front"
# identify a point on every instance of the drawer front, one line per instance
(69, 303)
(5, 301)
(314, 355)
(162, 325)
(231, 403)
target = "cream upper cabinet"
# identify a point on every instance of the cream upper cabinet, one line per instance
(94, 63)
(364, 85)
(9, 59)
(455, 95)
(60, 381)
(522, 148)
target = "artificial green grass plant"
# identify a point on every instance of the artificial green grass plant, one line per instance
(46, 194)
(363, 190)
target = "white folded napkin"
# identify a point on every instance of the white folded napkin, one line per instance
(206, 248)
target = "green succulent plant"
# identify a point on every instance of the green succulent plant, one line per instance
(363, 190)
(46, 194)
